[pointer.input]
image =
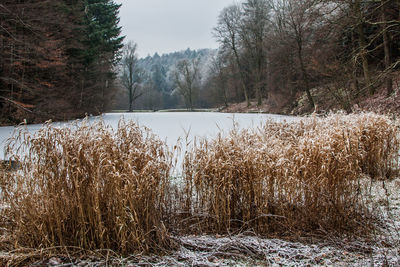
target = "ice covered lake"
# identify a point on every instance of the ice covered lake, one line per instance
(170, 126)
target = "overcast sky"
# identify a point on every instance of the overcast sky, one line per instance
(170, 25)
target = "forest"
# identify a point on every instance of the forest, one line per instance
(155, 80)
(289, 53)
(57, 58)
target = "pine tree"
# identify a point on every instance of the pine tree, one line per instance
(103, 30)
(101, 52)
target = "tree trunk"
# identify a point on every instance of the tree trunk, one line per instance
(356, 86)
(225, 99)
(260, 69)
(364, 59)
(386, 48)
(238, 96)
(190, 100)
(363, 48)
(305, 75)
(268, 74)
(246, 97)
(130, 100)
(223, 86)
(241, 77)
(258, 92)
(82, 88)
(259, 82)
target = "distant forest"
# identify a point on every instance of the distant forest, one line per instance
(63, 59)
(155, 81)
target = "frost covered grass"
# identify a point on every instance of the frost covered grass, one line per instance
(87, 186)
(289, 178)
(107, 194)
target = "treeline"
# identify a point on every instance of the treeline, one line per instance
(57, 58)
(289, 55)
(275, 51)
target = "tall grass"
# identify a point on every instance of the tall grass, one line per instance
(89, 187)
(289, 178)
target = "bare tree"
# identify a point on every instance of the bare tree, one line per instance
(386, 45)
(359, 23)
(254, 29)
(373, 20)
(227, 33)
(132, 75)
(220, 78)
(297, 19)
(186, 78)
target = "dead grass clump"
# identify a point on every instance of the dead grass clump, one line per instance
(289, 177)
(87, 186)
(379, 144)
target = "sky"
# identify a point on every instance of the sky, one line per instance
(165, 26)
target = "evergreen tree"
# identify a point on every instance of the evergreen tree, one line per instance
(101, 52)
(103, 30)
(159, 77)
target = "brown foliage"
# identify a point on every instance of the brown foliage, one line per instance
(34, 64)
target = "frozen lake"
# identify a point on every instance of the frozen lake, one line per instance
(170, 126)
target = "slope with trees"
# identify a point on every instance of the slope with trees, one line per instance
(57, 58)
(303, 55)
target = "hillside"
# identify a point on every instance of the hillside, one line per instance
(325, 101)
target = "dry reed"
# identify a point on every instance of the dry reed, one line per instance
(87, 186)
(289, 178)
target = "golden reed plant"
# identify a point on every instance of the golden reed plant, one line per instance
(88, 186)
(289, 178)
